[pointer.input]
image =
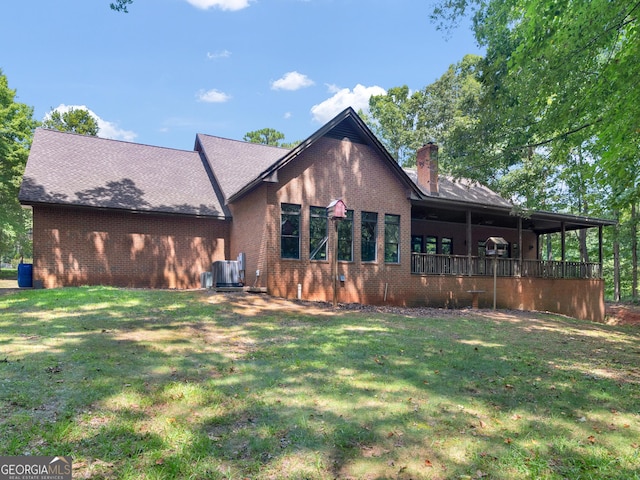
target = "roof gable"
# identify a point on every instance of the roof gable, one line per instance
(71, 169)
(346, 125)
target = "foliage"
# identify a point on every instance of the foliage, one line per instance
(121, 5)
(394, 119)
(74, 120)
(170, 384)
(440, 112)
(265, 136)
(16, 131)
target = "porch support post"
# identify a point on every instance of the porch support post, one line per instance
(519, 272)
(600, 249)
(469, 249)
(564, 233)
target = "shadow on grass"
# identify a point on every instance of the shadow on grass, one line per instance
(176, 385)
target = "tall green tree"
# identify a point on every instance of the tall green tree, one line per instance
(557, 71)
(440, 112)
(75, 120)
(450, 108)
(16, 132)
(265, 136)
(393, 117)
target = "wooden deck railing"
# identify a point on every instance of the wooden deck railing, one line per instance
(429, 264)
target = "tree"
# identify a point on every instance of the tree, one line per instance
(16, 132)
(558, 71)
(265, 136)
(441, 112)
(121, 5)
(75, 120)
(394, 120)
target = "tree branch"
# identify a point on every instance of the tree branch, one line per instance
(559, 136)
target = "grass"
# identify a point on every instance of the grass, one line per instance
(169, 384)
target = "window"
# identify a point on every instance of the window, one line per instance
(447, 246)
(392, 238)
(345, 238)
(290, 231)
(369, 236)
(416, 243)
(318, 233)
(431, 245)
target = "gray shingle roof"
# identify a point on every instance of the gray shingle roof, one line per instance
(72, 169)
(65, 168)
(235, 163)
(462, 190)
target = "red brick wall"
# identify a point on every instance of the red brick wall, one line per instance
(583, 299)
(251, 234)
(89, 247)
(328, 170)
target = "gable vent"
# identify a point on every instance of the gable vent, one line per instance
(345, 129)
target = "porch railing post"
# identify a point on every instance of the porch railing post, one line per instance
(469, 248)
(519, 259)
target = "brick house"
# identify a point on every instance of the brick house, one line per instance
(124, 214)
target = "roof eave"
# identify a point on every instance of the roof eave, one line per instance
(32, 203)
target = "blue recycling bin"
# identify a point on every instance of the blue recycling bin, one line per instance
(25, 275)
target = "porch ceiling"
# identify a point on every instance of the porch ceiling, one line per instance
(537, 222)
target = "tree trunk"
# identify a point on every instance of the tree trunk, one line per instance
(583, 208)
(634, 251)
(616, 260)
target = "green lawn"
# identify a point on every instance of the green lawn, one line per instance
(169, 384)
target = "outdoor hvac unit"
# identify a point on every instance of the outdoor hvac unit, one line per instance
(206, 280)
(226, 273)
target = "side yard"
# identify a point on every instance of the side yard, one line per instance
(175, 384)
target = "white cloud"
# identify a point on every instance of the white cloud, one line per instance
(106, 129)
(231, 5)
(218, 54)
(288, 115)
(292, 81)
(358, 99)
(213, 96)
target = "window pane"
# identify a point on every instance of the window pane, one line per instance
(447, 246)
(369, 236)
(431, 245)
(392, 238)
(345, 238)
(318, 233)
(416, 243)
(290, 231)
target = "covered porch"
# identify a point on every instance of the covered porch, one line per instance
(449, 238)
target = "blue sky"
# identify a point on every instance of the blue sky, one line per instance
(172, 68)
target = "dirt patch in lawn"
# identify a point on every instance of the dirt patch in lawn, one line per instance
(622, 314)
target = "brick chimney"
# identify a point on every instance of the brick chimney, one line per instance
(427, 161)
